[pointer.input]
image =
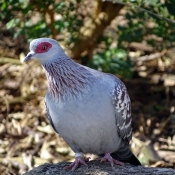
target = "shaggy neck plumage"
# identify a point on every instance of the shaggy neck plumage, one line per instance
(67, 78)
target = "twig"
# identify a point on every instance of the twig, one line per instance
(144, 10)
(4, 60)
(52, 22)
(150, 57)
(7, 111)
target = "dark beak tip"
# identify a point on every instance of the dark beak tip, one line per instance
(27, 58)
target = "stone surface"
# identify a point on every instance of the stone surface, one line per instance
(97, 168)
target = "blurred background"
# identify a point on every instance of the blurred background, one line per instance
(135, 40)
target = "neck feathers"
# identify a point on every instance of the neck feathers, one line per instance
(67, 78)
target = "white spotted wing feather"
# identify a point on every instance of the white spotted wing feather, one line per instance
(122, 105)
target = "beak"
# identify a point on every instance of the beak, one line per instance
(28, 57)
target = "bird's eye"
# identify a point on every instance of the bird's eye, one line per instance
(44, 47)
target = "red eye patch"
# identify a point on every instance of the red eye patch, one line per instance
(43, 47)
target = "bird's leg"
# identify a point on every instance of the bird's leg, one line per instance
(79, 159)
(112, 161)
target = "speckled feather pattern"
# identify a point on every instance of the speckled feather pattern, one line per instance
(122, 105)
(67, 79)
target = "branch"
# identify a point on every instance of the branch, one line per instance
(143, 9)
(149, 57)
(94, 27)
(46, 11)
(5, 60)
(50, 12)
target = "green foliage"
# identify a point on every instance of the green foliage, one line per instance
(50, 18)
(149, 18)
(29, 18)
(112, 59)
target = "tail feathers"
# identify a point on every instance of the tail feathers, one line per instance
(132, 159)
(124, 154)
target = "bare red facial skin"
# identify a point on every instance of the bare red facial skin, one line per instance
(43, 47)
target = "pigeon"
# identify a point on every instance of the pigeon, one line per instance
(89, 109)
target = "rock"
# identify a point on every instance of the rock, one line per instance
(97, 168)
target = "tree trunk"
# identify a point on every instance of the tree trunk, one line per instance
(104, 13)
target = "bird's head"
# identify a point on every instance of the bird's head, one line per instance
(44, 50)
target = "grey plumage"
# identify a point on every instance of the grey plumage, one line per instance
(49, 117)
(91, 110)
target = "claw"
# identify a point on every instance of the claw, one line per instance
(78, 160)
(112, 161)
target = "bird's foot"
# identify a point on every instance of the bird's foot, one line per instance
(112, 161)
(78, 160)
